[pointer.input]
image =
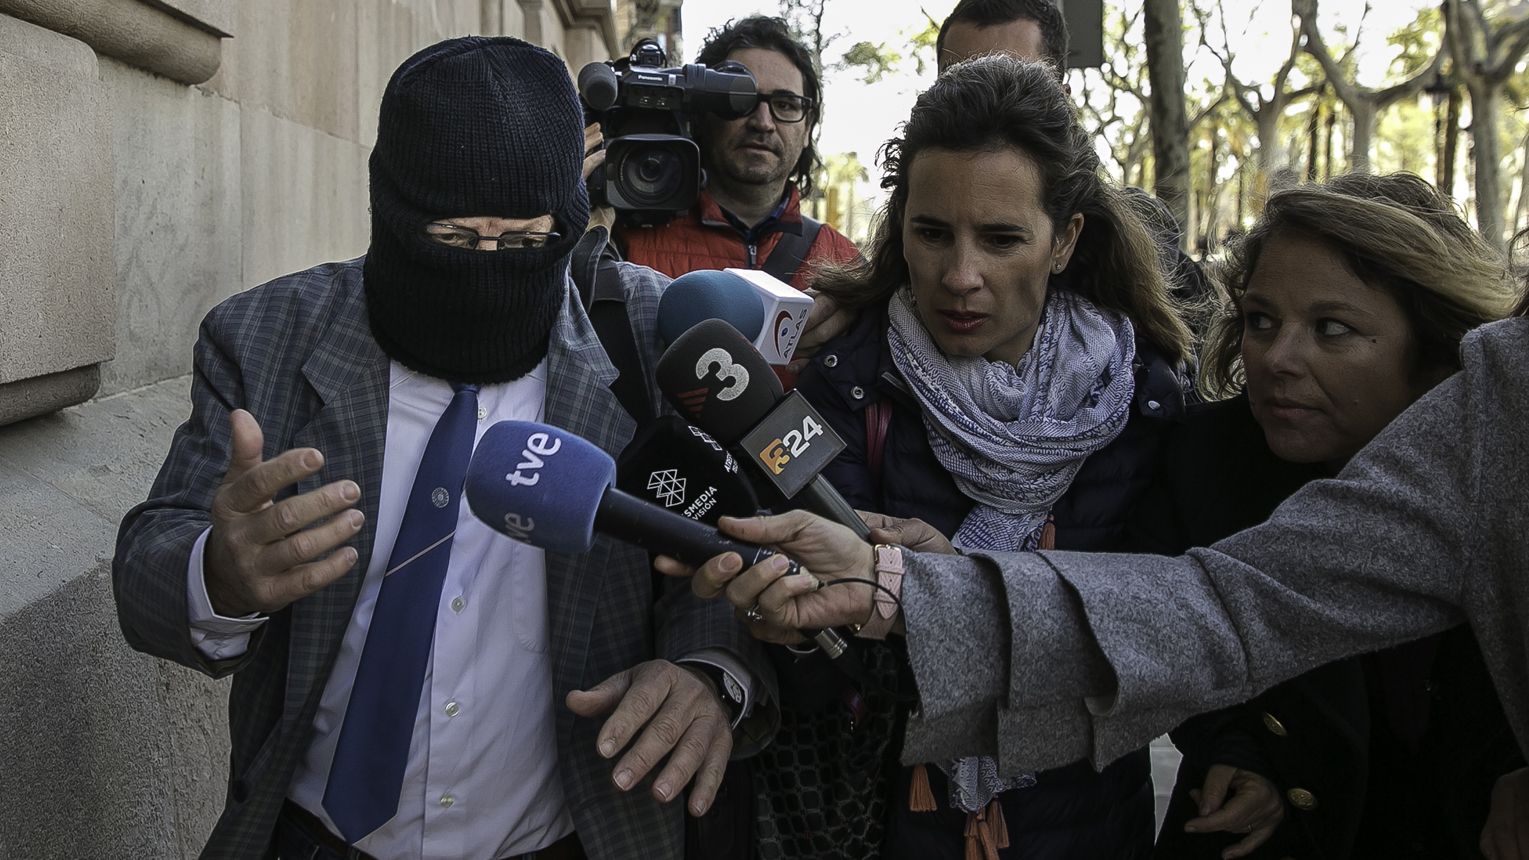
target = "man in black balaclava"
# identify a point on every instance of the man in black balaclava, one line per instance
(407, 681)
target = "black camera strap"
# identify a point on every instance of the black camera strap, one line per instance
(791, 251)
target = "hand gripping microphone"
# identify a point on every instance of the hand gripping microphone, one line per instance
(764, 310)
(724, 386)
(673, 464)
(549, 488)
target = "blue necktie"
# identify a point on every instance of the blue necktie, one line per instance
(366, 776)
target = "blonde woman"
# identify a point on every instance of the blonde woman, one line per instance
(1347, 302)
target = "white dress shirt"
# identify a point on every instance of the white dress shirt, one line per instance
(481, 779)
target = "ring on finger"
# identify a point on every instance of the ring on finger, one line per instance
(753, 614)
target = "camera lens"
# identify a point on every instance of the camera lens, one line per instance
(651, 174)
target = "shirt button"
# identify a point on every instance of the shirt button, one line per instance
(447, 800)
(1274, 726)
(831, 361)
(857, 392)
(452, 709)
(458, 604)
(482, 413)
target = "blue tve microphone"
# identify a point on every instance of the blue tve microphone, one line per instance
(552, 489)
(708, 294)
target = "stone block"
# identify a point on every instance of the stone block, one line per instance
(144, 33)
(304, 197)
(39, 395)
(57, 302)
(297, 60)
(584, 45)
(389, 33)
(179, 222)
(109, 753)
(212, 15)
(66, 479)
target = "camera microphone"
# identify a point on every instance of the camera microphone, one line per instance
(597, 84)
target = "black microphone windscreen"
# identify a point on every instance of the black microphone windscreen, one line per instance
(597, 84)
(718, 380)
(673, 464)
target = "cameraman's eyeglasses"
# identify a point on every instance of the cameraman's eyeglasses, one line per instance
(786, 106)
(453, 236)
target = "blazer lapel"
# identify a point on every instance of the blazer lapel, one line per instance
(349, 373)
(579, 399)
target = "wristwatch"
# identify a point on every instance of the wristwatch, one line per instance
(729, 691)
(888, 600)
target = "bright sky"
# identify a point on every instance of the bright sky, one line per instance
(859, 117)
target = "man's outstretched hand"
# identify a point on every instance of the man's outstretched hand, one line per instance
(262, 555)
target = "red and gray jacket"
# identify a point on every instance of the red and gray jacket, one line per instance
(706, 238)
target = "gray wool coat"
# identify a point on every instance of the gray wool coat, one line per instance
(1046, 658)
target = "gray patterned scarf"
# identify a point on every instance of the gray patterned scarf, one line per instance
(1014, 437)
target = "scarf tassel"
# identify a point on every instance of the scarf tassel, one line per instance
(920, 795)
(986, 832)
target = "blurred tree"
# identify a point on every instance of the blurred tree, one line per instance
(1265, 107)
(1112, 99)
(1363, 103)
(875, 60)
(1164, 30)
(1486, 53)
(805, 18)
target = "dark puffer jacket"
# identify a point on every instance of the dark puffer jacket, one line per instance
(1072, 811)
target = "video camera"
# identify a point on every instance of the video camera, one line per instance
(652, 166)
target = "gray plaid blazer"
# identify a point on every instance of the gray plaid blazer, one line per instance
(298, 354)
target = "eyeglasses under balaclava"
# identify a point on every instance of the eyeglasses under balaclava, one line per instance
(473, 127)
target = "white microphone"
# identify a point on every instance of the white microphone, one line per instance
(785, 314)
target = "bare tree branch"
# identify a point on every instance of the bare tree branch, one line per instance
(1512, 40)
(1413, 85)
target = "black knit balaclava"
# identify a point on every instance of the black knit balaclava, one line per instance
(473, 127)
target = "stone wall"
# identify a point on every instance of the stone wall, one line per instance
(159, 155)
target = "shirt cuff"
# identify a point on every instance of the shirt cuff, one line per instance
(217, 637)
(757, 717)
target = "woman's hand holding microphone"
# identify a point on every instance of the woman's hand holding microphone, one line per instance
(776, 606)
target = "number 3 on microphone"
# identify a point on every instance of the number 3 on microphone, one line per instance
(775, 456)
(735, 375)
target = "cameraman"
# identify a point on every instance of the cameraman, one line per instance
(757, 167)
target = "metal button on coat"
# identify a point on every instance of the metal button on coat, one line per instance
(1274, 726)
(1154, 405)
(857, 392)
(1301, 799)
(830, 361)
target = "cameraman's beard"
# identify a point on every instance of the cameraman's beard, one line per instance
(750, 171)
